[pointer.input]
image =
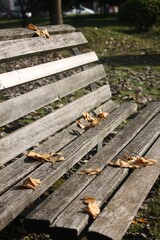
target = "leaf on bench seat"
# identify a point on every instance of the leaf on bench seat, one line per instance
(92, 207)
(90, 171)
(39, 32)
(93, 121)
(31, 183)
(133, 162)
(48, 157)
(102, 115)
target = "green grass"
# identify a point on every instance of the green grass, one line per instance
(131, 61)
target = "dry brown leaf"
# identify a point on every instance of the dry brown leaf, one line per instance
(39, 32)
(93, 209)
(88, 117)
(102, 115)
(88, 199)
(81, 125)
(48, 157)
(90, 171)
(31, 183)
(133, 162)
(32, 27)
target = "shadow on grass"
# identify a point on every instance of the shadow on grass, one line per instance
(133, 60)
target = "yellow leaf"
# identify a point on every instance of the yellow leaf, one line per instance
(93, 209)
(133, 162)
(31, 183)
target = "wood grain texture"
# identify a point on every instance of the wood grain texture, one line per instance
(33, 133)
(116, 217)
(47, 211)
(19, 169)
(48, 175)
(16, 33)
(73, 218)
(25, 75)
(22, 105)
(34, 45)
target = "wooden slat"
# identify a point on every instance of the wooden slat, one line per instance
(15, 33)
(24, 166)
(33, 133)
(48, 210)
(73, 218)
(28, 46)
(116, 217)
(25, 75)
(22, 105)
(47, 174)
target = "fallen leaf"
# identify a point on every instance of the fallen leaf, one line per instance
(90, 171)
(88, 117)
(133, 162)
(94, 123)
(102, 115)
(31, 183)
(93, 209)
(81, 125)
(140, 220)
(48, 157)
(88, 199)
(38, 31)
(32, 27)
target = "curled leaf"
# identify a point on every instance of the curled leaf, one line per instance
(133, 162)
(38, 31)
(90, 171)
(88, 117)
(88, 199)
(102, 115)
(31, 183)
(93, 209)
(48, 157)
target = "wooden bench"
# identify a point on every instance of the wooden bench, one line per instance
(58, 83)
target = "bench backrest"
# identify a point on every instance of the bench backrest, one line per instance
(43, 81)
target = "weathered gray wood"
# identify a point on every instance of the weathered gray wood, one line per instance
(28, 46)
(48, 210)
(13, 33)
(47, 174)
(22, 105)
(25, 75)
(30, 135)
(73, 218)
(17, 170)
(116, 217)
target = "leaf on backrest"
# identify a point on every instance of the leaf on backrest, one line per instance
(38, 31)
